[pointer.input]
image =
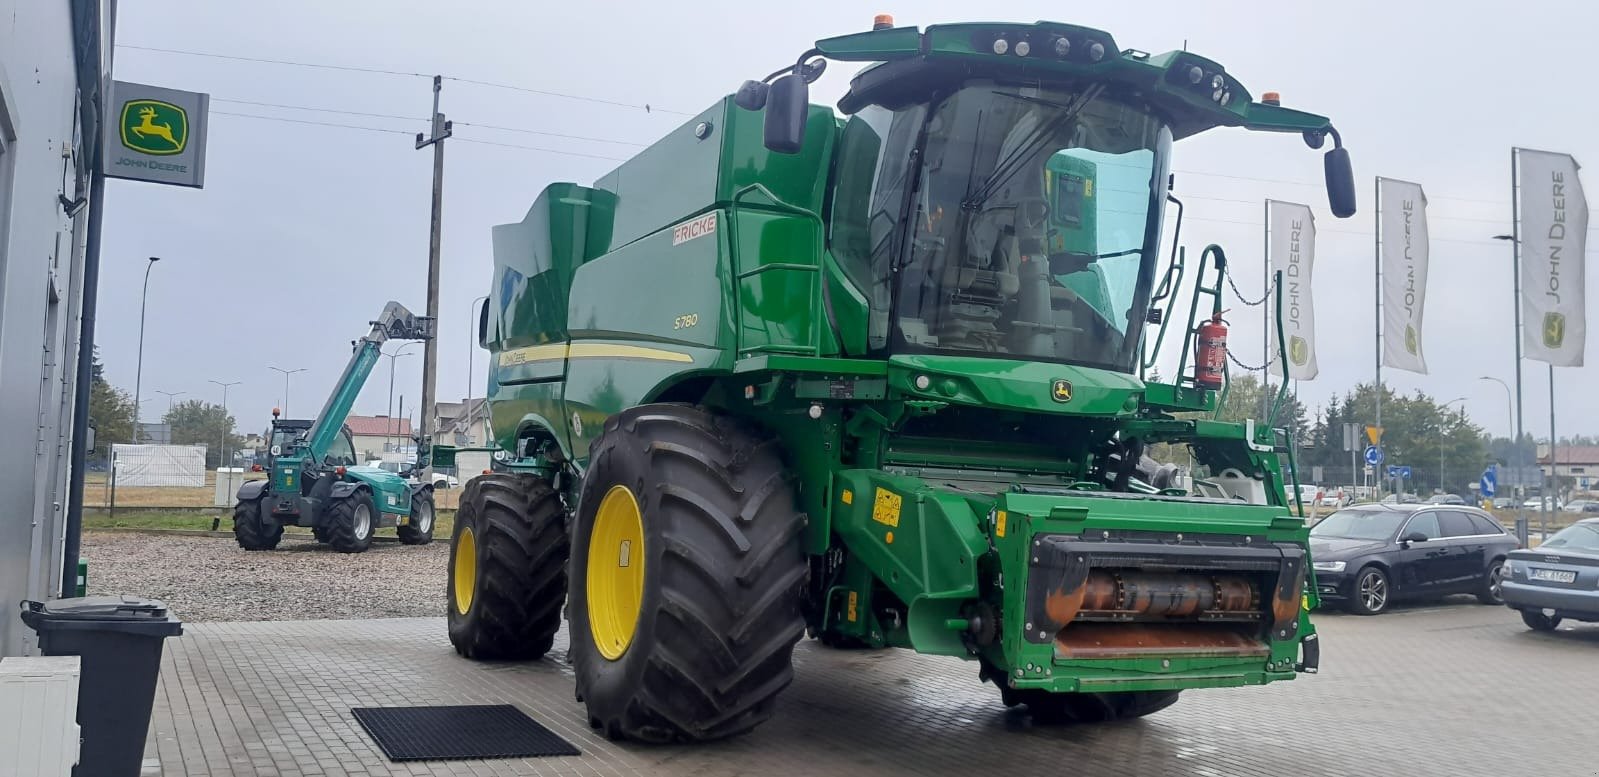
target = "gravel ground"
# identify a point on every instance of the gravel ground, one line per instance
(211, 579)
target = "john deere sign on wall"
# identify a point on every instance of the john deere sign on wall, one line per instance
(156, 135)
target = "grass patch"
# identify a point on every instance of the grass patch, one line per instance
(444, 523)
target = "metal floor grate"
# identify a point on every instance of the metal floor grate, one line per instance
(453, 733)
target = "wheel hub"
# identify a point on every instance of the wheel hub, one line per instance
(615, 572)
(465, 571)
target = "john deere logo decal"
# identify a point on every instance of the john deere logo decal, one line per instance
(1298, 351)
(154, 127)
(1061, 390)
(1410, 339)
(1554, 330)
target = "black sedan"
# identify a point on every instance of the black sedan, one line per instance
(1370, 556)
(1556, 580)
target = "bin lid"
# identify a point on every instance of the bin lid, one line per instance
(130, 613)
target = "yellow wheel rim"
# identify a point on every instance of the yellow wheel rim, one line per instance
(465, 570)
(615, 575)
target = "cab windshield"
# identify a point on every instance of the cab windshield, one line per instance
(1032, 220)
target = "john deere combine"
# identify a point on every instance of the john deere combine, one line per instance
(879, 379)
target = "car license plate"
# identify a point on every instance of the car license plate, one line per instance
(1554, 575)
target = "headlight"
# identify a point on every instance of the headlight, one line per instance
(1330, 566)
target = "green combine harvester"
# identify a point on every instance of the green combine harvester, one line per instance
(880, 379)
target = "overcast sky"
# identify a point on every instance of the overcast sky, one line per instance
(303, 231)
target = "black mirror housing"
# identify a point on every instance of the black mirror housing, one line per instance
(1340, 182)
(751, 96)
(1414, 536)
(787, 103)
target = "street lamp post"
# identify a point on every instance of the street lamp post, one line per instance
(138, 371)
(286, 374)
(1442, 436)
(389, 408)
(170, 395)
(222, 448)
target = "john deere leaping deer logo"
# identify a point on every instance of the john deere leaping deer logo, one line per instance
(154, 127)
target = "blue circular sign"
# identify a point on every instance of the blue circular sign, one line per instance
(1373, 455)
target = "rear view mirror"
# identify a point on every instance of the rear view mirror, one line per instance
(787, 103)
(1340, 182)
(1414, 536)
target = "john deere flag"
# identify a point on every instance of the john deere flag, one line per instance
(1293, 253)
(1554, 228)
(1402, 230)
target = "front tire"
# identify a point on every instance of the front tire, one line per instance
(686, 577)
(1537, 621)
(507, 568)
(350, 522)
(1371, 594)
(252, 530)
(419, 529)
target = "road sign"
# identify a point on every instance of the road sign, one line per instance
(1374, 433)
(1373, 455)
(1398, 471)
(1490, 481)
(1351, 437)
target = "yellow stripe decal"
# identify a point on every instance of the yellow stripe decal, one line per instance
(541, 353)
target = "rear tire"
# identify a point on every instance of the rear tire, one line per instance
(252, 530)
(419, 529)
(507, 568)
(1489, 592)
(706, 640)
(1371, 593)
(320, 533)
(1537, 621)
(1057, 708)
(350, 522)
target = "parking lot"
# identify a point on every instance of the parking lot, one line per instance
(1443, 689)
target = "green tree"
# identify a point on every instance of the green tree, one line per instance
(1417, 432)
(110, 409)
(195, 422)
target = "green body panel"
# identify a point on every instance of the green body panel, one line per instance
(703, 271)
(390, 492)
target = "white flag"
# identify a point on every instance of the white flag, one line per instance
(1293, 253)
(1403, 232)
(1554, 231)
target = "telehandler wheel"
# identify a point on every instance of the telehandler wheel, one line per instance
(350, 521)
(321, 534)
(1053, 708)
(419, 530)
(252, 530)
(507, 568)
(686, 577)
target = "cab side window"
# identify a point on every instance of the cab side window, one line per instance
(342, 452)
(1485, 525)
(1424, 523)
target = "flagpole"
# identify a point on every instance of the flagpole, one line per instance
(1554, 483)
(1515, 269)
(1377, 261)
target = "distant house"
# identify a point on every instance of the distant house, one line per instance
(464, 424)
(375, 435)
(1577, 463)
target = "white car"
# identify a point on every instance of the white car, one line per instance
(1331, 499)
(403, 469)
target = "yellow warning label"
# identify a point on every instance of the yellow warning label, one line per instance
(853, 599)
(885, 508)
(999, 524)
(848, 497)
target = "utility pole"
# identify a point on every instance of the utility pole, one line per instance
(430, 348)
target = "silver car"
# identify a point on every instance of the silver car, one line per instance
(1556, 580)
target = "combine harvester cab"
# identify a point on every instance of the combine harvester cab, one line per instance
(882, 378)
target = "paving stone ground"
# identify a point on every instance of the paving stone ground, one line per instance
(1453, 689)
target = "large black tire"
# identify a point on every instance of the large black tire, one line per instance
(252, 530)
(516, 529)
(1537, 621)
(1371, 593)
(320, 533)
(723, 571)
(1489, 592)
(1054, 708)
(347, 531)
(419, 530)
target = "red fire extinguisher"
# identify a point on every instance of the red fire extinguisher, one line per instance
(1210, 356)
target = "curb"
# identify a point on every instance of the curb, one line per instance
(214, 534)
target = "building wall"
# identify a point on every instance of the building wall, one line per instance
(41, 255)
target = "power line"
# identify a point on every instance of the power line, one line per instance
(308, 121)
(646, 106)
(263, 60)
(319, 110)
(535, 148)
(548, 134)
